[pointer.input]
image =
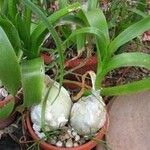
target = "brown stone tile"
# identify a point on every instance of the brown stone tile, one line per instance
(130, 122)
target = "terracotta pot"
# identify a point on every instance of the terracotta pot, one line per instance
(87, 146)
(47, 58)
(90, 64)
(9, 120)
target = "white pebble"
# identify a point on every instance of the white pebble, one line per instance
(36, 127)
(41, 135)
(82, 141)
(86, 137)
(59, 144)
(75, 144)
(77, 138)
(69, 132)
(69, 143)
(74, 133)
(72, 129)
(3, 92)
(53, 141)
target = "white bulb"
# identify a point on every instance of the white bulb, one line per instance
(56, 113)
(88, 115)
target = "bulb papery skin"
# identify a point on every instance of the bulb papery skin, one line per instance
(56, 113)
(88, 115)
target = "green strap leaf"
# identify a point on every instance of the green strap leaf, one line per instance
(89, 30)
(139, 12)
(92, 4)
(27, 19)
(32, 81)
(9, 67)
(40, 31)
(12, 34)
(96, 18)
(80, 40)
(12, 10)
(54, 34)
(138, 59)
(136, 86)
(23, 31)
(129, 34)
(142, 5)
(3, 6)
(7, 109)
(62, 3)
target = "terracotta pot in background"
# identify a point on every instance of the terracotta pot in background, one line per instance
(87, 146)
(9, 120)
(91, 63)
(47, 58)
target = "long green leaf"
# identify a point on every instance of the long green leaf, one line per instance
(41, 30)
(7, 109)
(12, 34)
(137, 59)
(92, 4)
(81, 40)
(12, 10)
(54, 35)
(96, 18)
(3, 7)
(23, 31)
(89, 30)
(138, 12)
(129, 34)
(142, 5)
(63, 3)
(136, 86)
(27, 19)
(9, 67)
(32, 81)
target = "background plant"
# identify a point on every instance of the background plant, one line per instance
(106, 49)
(121, 14)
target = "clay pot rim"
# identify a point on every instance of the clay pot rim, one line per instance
(48, 146)
(6, 100)
(74, 62)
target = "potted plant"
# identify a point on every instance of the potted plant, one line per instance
(107, 61)
(53, 98)
(21, 65)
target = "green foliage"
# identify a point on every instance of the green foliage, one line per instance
(136, 86)
(122, 14)
(20, 48)
(32, 73)
(130, 33)
(12, 34)
(9, 67)
(7, 109)
(107, 59)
